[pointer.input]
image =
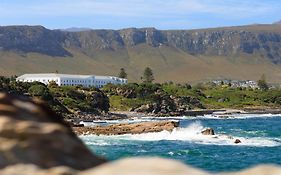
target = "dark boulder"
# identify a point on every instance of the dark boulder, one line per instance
(237, 141)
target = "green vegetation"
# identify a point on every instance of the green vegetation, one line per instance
(62, 99)
(124, 97)
(167, 97)
(124, 104)
(80, 99)
(262, 83)
(39, 90)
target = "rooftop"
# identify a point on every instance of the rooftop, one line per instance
(40, 75)
(55, 75)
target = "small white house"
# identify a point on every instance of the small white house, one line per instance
(72, 80)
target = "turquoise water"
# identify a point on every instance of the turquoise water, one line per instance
(260, 136)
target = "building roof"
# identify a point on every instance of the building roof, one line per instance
(47, 75)
(55, 75)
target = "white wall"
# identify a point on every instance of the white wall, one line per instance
(97, 81)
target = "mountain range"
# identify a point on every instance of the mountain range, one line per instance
(242, 52)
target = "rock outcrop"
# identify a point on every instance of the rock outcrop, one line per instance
(30, 133)
(208, 131)
(237, 141)
(170, 105)
(128, 128)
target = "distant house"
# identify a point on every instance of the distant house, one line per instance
(238, 83)
(72, 80)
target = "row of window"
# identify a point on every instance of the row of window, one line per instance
(70, 82)
(76, 81)
(98, 86)
(85, 81)
(42, 80)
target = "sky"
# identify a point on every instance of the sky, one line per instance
(117, 14)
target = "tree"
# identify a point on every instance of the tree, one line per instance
(122, 73)
(262, 83)
(147, 75)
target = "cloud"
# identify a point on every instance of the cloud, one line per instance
(139, 8)
(162, 14)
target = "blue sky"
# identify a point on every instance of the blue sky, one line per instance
(116, 14)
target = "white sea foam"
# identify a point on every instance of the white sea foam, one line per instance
(190, 134)
(108, 122)
(234, 116)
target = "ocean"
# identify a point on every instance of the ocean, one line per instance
(260, 136)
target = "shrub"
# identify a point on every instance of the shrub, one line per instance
(41, 91)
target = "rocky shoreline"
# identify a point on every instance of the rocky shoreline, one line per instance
(127, 128)
(152, 126)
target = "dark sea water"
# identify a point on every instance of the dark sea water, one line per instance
(260, 136)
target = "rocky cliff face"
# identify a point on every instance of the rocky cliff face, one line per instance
(25, 39)
(262, 40)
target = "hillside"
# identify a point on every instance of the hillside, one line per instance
(243, 52)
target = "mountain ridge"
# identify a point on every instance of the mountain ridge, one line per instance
(136, 48)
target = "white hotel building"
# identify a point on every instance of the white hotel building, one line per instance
(72, 80)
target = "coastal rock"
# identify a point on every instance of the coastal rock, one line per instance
(144, 108)
(98, 100)
(147, 166)
(29, 169)
(144, 166)
(134, 166)
(208, 131)
(30, 133)
(128, 128)
(237, 141)
(170, 105)
(127, 93)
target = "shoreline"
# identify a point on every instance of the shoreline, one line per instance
(195, 113)
(129, 115)
(103, 126)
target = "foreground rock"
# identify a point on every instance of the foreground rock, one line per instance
(125, 128)
(134, 166)
(30, 133)
(144, 166)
